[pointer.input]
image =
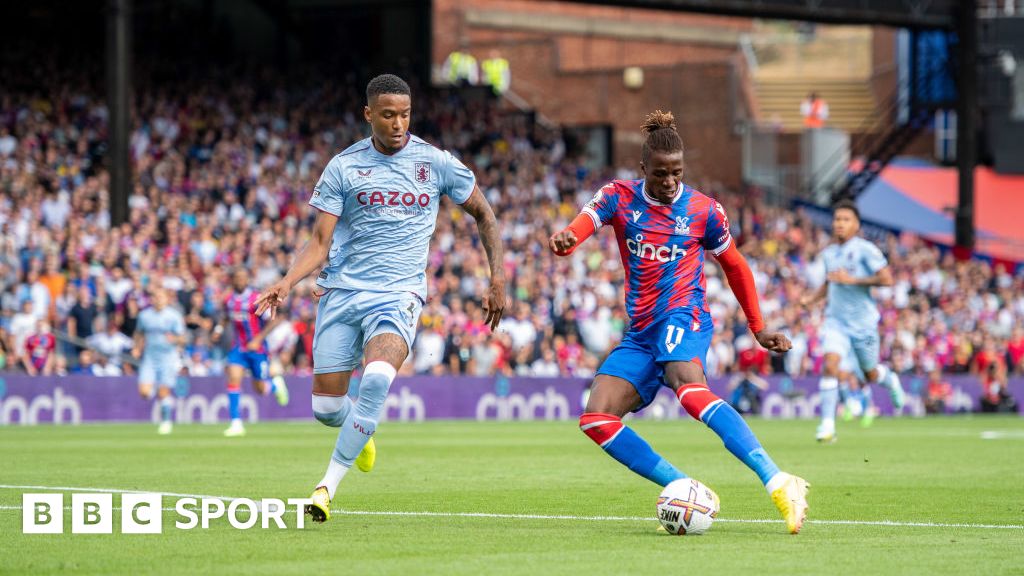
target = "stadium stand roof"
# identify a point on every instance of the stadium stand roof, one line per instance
(903, 13)
(922, 198)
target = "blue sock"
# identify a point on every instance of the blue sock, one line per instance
(628, 448)
(738, 439)
(273, 386)
(166, 404)
(361, 421)
(234, 396)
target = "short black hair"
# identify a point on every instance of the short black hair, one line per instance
(386, 84)
(846, 204)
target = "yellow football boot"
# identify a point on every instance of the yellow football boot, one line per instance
(320, 508)
(367, 457)
(791, 500)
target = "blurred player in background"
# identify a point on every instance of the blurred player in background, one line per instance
(852, 266)
(250, 351)
(855, 396)
(158, 334)
(378, 203)
(663, 229)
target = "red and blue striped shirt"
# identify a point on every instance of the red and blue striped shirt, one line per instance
(662, 246)
(241, 308)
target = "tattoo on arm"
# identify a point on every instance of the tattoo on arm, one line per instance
(487, 226)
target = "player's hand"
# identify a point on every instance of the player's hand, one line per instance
(773, 341)
(272, 298)
(841, 277)
(253, 345)
(494, 303)
(807, 300)
(562, 244)
(136, 353)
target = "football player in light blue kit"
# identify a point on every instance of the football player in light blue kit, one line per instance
(158, 333)
(378, 202)
(852, 265)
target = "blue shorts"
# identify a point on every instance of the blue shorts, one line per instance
(347, 319)
(161, 369)
(864, 348)
(256, 363)
(641, 356)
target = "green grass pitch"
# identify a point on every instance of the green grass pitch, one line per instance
(915, 473)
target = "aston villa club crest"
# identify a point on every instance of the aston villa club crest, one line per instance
(422, 172)
(682, 225)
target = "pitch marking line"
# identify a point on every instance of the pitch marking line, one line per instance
(884, 523)
(1002, 435)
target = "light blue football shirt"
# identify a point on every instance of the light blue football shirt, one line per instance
(852, 307)
(386, 208)
(156, 325)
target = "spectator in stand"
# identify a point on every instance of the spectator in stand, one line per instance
(937, 394)
(39, 357)
(82, 317)
(996, 395)
(749, 383)
(814, 110)
(223, 172)
(110, 343)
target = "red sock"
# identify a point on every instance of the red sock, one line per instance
(600, 428)
(695, 398)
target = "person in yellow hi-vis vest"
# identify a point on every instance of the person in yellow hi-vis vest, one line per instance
(460, 68)
(497, 73)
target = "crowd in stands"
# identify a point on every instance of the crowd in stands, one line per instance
(223, 168)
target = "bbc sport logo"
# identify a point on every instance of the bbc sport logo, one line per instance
(143, 513)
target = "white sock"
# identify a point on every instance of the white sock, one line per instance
(776, 482)
(236, 421)
(829, 395)
(335, 472)
(883, 376)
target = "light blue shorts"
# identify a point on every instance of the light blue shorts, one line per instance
(864, 348)
(347, 319)
(161, 370)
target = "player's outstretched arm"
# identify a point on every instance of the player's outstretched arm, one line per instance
(311, 256)
(741, 281)
(566, 241)
(816, 296)
(881, 278)
(487, 226)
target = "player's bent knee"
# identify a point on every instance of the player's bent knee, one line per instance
(600, 427)
(831, 365)
(376, 380)
(332, 383)
(329, 410)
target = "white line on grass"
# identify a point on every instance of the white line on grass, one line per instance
(1002, 435)
(885, 523)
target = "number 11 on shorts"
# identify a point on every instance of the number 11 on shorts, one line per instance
(673, 337)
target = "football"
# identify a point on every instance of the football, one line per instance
(687, 506)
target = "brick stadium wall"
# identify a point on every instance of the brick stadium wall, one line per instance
(575, 79)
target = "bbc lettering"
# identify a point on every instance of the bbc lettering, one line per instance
(143, 513)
